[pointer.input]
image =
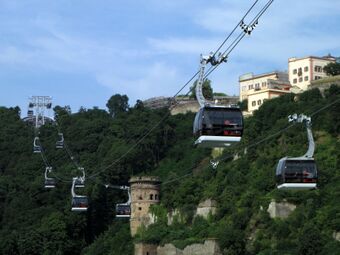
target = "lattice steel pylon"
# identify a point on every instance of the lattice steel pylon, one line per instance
(36, 112)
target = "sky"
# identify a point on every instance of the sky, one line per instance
(81, 52)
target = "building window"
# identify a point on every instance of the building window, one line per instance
(300, 71)
(156, 197)
(264, 84)
(317, 77)
(318, 69)
(300, 79)
(306, 78)
(244, 88)
(305, 69)
(258, 102)
(140, 198)
(139, 208)
(295, 71)
(251, 86)
(151, 196)
(295, 80)
(253, 103)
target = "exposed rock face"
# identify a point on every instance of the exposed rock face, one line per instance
(174, 214)
(280, 210)
(206, 207)
(185, 106)
(168, 249)
(142, 249)
(210, 247)
(336, 236)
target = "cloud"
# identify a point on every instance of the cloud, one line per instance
(147, 59)
(157, 79)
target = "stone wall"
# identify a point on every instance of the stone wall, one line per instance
(145, 249)
(185, 106)
(210, 247)
(280, 210)
(206, 207)
(144, 193)
(336, 236)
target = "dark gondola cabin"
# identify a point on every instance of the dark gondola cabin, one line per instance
(123, 211)
(218, 126)
(79, 183)
(36, 149)
(50, 183)
(80, 203)
(296, 173)
(60, 143)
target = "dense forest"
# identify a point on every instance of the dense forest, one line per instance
(124, 141)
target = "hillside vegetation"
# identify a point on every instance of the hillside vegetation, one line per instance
(108, 146)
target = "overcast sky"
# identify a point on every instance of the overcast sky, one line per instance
(81, 52)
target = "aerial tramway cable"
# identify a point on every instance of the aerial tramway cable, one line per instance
(242, 149)
(142, 137)
(166, 116)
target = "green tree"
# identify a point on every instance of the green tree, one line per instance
(117, 104)
(243, 105)
(207, 90)
(310, 240)
(332, 69)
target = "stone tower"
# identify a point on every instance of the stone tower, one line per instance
(144, 193)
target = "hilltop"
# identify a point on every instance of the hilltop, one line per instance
(36, 221)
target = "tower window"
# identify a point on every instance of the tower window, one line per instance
(139, 208)
(156, 197)
(151, 196)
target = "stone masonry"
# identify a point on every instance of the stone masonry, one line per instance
(144, 193)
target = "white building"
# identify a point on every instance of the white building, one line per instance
(259, 88)
(302, 71)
